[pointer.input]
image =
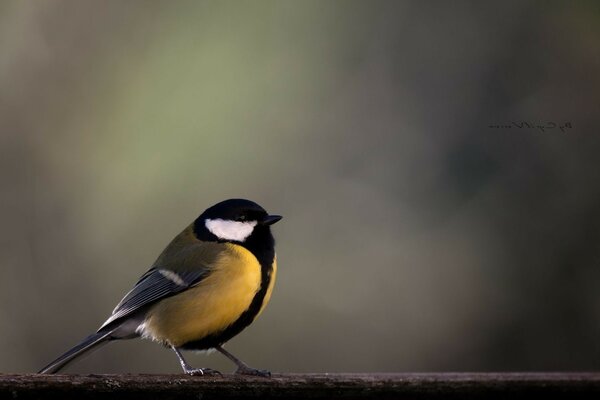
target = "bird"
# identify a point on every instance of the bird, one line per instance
(207, 285)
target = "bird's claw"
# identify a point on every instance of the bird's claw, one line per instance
(253, 372)
(203, 372)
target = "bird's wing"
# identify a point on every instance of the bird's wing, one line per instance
(154, 285)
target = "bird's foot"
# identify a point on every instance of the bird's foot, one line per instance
(252, 372)
(202, 372)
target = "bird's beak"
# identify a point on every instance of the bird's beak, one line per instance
(271, 219)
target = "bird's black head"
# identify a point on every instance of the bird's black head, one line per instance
(235, 220)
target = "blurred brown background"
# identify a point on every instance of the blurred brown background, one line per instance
(416, 237)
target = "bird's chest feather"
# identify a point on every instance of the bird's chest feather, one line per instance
(212, 305)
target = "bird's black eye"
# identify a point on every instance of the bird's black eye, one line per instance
(241, 218)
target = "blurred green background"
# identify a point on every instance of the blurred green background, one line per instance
(416, 237)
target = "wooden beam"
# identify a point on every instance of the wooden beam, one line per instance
(307, 386)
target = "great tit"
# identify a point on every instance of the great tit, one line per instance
(206, 286)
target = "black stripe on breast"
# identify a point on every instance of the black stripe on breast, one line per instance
(262, 245)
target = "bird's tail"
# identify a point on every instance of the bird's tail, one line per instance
(87, 344)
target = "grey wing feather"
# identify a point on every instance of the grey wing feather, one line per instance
(152, 286)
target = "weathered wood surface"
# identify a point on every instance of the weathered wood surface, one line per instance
(308, 386)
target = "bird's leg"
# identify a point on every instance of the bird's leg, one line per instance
(193, 371)
(242, 367)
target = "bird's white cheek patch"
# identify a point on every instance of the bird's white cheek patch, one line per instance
(230, 230)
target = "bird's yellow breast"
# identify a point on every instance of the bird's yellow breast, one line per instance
(211, 306)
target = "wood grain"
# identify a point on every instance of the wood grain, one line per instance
(307, 386)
